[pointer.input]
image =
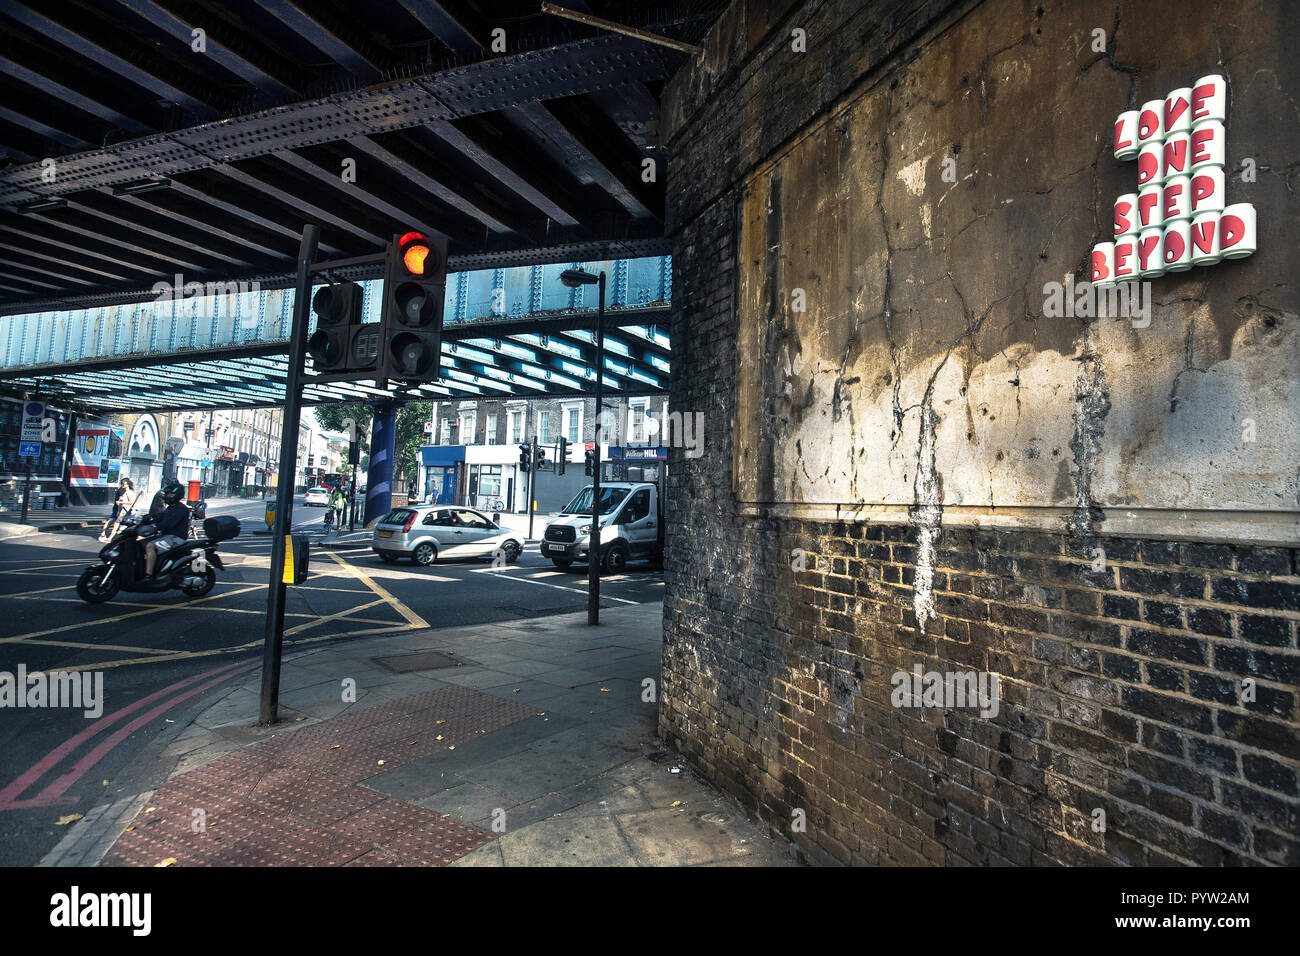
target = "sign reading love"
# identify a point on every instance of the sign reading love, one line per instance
(1178, 218)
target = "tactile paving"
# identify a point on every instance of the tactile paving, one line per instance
(295, 800)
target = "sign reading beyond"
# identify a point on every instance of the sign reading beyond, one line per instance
(1178, 218)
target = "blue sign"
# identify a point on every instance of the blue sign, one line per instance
(29, 449)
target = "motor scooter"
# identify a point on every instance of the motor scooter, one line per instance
(190, 566)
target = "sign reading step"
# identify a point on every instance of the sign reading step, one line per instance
(1179, 217)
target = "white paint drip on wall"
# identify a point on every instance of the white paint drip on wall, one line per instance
(927, 516)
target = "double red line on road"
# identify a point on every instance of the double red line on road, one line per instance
(53, 793)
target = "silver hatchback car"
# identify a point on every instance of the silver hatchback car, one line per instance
(425, 533)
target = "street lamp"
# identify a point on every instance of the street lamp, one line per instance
(573, 278)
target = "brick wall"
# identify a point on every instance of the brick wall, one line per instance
(1152, 678)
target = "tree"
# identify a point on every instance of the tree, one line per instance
(411, 419)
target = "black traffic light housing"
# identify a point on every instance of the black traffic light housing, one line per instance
(541, 456)
(590, 462)
(561, 454)
(415, 284)
(525, 457)
(338, 322)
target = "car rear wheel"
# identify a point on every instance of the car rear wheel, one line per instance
(386, 556)
(424, 554)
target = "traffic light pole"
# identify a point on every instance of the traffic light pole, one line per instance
(274, 642)
(532, 477)
(593, 547)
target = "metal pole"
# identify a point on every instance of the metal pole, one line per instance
(352, 501)
(532, 472)
(27, 491)
(274, 642)
(593, 547)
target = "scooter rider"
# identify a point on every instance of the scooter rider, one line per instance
(172, 525)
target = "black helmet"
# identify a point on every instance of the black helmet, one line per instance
(172, 492)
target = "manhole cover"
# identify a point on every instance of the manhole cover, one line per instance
(419, 661)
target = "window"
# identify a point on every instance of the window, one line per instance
(573, 423)
(471, 520)
(446, 432)
(491, 437)
(516, 426)
(443, 518)
(636, 418)
(467, 422)
(638, 507)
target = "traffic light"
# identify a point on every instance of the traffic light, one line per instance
(591, 462)
(525, 457)
(541, 456)
(415, 283)
(338, 327)
(561, 454)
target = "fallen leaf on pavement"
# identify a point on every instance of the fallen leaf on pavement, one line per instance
(70, 818)
(167, 862)
(381, 763)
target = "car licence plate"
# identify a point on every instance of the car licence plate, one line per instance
(385, 534)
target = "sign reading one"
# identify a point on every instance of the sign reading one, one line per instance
(1178, 218)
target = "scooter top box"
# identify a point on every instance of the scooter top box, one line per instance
(221, 528)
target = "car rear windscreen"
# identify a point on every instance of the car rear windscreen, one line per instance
(397, 516)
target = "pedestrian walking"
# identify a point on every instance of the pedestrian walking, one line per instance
(336, 505)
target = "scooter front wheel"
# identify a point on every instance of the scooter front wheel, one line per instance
(93, 588)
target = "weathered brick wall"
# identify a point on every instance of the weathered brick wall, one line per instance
(1151, 677)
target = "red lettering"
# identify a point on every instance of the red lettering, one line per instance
(1231, 230)
(1200, 139)
(1119, 131)
(1174, 247)
(1175, 155)
(1203, 235)
(1145, 246)
(1123, 250)
(1199, 95)
(1099, 270)
(1171, 115)
(1148, 123)
(1202, 187)
(1171, 200)
(1147, 202)
(1122, 222)
(1148, 166)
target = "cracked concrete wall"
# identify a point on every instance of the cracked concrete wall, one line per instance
(923, 468)
(926, 298)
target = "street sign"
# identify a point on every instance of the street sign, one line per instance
(29, 449)
(33, 423)
(207, 462)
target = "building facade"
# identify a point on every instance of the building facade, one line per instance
(472, 454)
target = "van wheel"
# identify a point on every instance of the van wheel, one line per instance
(424, 554)
(562, 562)
(615, 559)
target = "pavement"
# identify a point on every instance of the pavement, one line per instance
(518, 743)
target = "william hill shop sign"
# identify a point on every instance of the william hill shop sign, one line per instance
(1178, 218)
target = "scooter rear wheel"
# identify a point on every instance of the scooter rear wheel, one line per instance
(91, 587)
(198, 591)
